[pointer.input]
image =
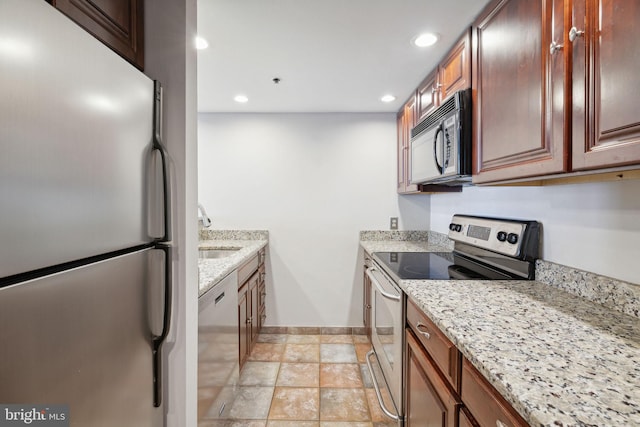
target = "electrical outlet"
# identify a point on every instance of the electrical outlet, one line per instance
(393, 223)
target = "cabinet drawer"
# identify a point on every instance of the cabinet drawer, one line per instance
(486, 405)
(441, 350)
(247, 269)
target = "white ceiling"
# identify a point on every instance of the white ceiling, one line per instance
(331, 55)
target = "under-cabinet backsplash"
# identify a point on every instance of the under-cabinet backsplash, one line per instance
(612, 293)
(234, 234)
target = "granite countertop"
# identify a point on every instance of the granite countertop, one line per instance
(211, 271)
(399, 246)
(559, 359)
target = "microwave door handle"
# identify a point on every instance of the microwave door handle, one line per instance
(446, 148)
(435, 149)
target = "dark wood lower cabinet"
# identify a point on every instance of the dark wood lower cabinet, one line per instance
(465, 419)
(488, 407)
(366, 301)
(449, 392)
(251, 303)
(254, 319)
(262, 295)
(429, 401)
(248, 316)
(243, 315)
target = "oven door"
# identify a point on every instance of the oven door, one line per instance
(387, 336)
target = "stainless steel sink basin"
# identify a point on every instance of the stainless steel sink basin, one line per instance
(217, 253)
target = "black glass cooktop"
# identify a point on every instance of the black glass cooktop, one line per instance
(435, 266)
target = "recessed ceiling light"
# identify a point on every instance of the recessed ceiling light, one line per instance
(201, 43)
(388, 98)
(426, 39)
(241, 99)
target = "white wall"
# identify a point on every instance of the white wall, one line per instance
(314, 181)
(171, 58)
(593, 227)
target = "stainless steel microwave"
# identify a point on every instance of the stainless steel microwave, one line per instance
(441, 144)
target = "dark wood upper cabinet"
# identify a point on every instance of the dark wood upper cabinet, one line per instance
(117, 23)
(554, 88)
(428, 95)
(452, 74)
(519, 94)
(455, 68)
(406, 122)
(606, 108)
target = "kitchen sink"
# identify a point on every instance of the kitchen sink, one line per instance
(217, 253)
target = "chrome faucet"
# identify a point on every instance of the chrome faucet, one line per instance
(202, 217)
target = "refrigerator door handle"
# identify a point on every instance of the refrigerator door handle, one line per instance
(157, 145)
(158, 340)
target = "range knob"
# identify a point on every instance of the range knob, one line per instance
(502, 236)
(455, 227)
(512, 238)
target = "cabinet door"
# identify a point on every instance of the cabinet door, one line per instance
(117, 23)
(513, 83)
(428, 95)
(606, 118)
(243, 320)
(254, 307)
(401, 129)
(406, 122)
(455, 69)
(366, 302)
(262, 295)
(429, 401)
(465, 419)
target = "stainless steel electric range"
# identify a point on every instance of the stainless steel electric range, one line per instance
(484, 249)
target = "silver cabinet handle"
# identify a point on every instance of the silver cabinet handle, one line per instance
(574, 33)
(436, 88)
(555, 47)
(426, 334)
(500, 424)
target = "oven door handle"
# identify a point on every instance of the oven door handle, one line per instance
(376, 387)
(379, 287)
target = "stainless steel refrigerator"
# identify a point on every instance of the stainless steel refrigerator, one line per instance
(84, 224)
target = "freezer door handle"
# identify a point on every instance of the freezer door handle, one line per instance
(160, 338)
(157, 145)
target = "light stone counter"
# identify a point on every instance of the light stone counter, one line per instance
(558, 358)
(211, 271)
(404, 241)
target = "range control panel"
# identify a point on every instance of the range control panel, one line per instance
(514, 238)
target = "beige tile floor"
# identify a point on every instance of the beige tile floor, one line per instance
(297, 381)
